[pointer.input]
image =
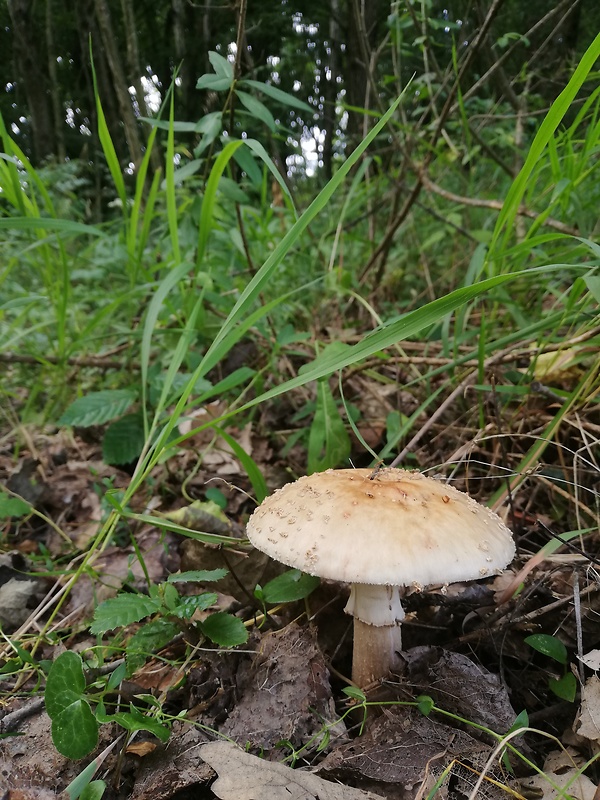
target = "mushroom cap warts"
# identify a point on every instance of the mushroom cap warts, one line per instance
(392, 527)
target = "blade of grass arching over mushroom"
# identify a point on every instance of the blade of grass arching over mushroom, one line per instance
(233, 328)
(408, 325)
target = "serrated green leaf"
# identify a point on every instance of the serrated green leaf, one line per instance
(549, 646)
(122, 610)
(12, 506)
(280, 96)
(147, 641)
(213, 82)
(123, 440)
(220, 64)
(98, 407)
(198, 575)
(65, 683)
(199, 602)
(75, 730)
(224, 630)
(292, 585)
(257, 109)
(134, 720)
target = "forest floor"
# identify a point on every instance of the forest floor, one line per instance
(466, 673)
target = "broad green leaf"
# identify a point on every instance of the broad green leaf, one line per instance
(425, 704)
(123, 439)
(98, 407)
(213, 82)
(221, 65)
(224, 630)
(280, 96)
(65, 683)
(549, 646)
(292, 585)
(94, 790)
(12, 506)
(565, 687)
(328, 440)
(257, 109)
(122, 610)
(75, 730)
(191, 168)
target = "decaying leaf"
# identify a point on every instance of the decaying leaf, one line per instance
(403, 747)
(588, 720)
(285, 693)
(459, 685)
(562, 778)
(16, 590)
(245, 777)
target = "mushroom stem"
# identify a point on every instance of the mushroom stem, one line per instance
(378, 614)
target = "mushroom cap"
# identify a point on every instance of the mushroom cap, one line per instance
(391, 527)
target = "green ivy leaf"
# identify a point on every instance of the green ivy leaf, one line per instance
(123, 440)
(122, 610)
(98, 407)
(65, 683)
(224, 630)
(549, 646)
(292, 585)
(75, 730)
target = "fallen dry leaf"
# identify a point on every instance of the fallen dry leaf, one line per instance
(245, 777)
(587, 723)
(284, 693)
(562, 778)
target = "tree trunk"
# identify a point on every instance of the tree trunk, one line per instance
(28, 55)
(331, 88)
(120, 83)
(58, 111)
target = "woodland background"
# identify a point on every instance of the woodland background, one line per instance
(244, 242)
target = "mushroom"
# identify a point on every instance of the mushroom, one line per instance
(379, 531)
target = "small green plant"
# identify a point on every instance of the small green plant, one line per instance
(564, 687)
(70, 697)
